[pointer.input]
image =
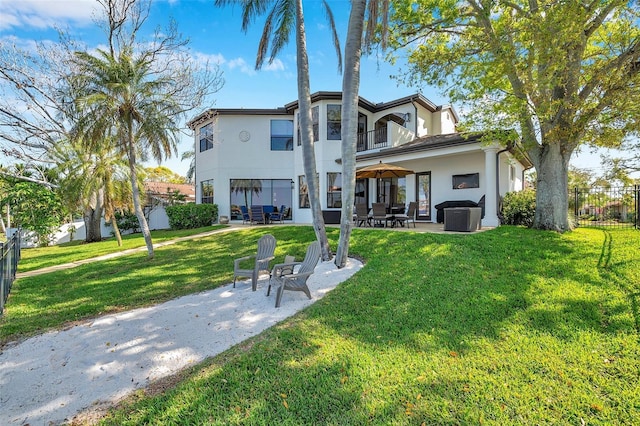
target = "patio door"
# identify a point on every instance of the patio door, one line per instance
(423, 195)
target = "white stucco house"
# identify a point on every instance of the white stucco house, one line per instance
(254, 157)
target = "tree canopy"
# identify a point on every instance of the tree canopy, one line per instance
(560, 73)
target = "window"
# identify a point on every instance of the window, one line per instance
(334, 122)
(259, 192)
(281, 135)
(303, 193)
(206, 137)
(471, 180)
(334, 190)
(206, 191)
(315, 122)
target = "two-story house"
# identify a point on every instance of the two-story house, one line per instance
(250, 157)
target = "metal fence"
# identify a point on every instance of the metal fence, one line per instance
(615, 207)
(8, 266)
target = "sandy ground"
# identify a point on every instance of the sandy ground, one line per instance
(49, 379)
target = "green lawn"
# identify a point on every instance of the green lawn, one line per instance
(509, 326)
(42, 257)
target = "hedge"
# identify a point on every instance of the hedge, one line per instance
(189, 216)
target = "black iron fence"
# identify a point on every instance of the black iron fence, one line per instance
(8, 266)
(616, 207)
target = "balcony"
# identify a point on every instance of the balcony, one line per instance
(373, 139)
(384, 137)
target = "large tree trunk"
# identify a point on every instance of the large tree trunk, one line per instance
(552, 196)
(92, 216)
(350, 89)
(306, 134)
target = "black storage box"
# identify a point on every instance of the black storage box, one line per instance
(462, 219)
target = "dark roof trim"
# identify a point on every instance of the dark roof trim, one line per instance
(426, 143)
(370, 106)
(321, 96)
(331, 96)
(430, 143)
(210, 113)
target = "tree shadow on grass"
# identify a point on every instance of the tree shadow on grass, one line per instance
(457, 288)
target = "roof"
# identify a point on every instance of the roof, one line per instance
(161, 190)
(428, 143)
(319, 96)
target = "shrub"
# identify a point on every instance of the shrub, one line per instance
(127, 222)
(519, 208)
(189, 216)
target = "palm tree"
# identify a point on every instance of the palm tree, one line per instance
(97, 179)
(191, 156)
(377, 10)
(127, 102)
(287, 14)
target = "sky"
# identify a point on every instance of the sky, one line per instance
(215, 34)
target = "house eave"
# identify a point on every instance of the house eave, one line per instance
(211, 113)
(433, 143)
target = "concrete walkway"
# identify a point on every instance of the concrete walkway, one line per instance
(51, 378)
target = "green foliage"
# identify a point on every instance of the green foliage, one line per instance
(560, 73)
(519, 208)
(187, 216)
(127, 222)
(34, 207)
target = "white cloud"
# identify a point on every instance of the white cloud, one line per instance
(241, 65)
(46, 13)
(276, 65)
(211, 58)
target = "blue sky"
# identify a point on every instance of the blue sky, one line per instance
(216, 34)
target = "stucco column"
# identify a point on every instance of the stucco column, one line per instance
(491, 186)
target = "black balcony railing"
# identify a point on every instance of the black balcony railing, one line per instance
(372, 139)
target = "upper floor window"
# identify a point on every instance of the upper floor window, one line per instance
(206, 137)
(281, 135)
(334, 122)
(315, 123)
(206, 191)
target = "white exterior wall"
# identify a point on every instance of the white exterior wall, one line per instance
(230, 158)
(424, 122)
(510, 181)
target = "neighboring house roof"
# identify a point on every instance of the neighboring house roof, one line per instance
(160, 190)
(428, 143)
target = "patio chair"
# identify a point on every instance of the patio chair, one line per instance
(362, 215)
(245, 214)
(279, 215)
(257, 214)
(266, 249)
(300, 273)
(410, 216)
(380, 214)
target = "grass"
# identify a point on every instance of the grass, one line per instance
(42, 257)
(510, 326)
